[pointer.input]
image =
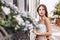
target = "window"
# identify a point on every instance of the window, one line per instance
(26, 4)
(15, 2)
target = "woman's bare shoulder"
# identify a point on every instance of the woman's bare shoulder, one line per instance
(47, 22)
(47, 19)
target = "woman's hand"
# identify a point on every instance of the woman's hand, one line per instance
(35, 32)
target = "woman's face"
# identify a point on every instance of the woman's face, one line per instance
(41, 11)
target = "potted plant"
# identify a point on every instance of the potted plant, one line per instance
(57, 12)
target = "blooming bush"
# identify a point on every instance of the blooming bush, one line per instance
(12, 17)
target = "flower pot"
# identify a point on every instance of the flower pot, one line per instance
(58, 22)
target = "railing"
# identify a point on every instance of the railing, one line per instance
(22, 35)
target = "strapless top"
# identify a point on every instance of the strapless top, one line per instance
(41, 28)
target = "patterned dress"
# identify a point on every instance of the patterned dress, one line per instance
(41, 28)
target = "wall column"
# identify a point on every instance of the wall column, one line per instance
(32, 7)
(33, 13)
(20, 5)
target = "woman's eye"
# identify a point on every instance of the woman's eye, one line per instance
(39, 9)
(43, 9)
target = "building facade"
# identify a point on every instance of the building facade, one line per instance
(29, 6)
(26, 5)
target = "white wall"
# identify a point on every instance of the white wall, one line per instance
(32, 12)
(21, 4)
(32, 7)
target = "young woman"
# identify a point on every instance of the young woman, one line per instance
(44, 24)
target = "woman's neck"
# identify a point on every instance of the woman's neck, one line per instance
(43, 17)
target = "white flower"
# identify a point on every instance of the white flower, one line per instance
(11, 5)
(14, 16)
(6, 10)
(18, 11)
(25, 13)
(27, 22)
(25, 29)
(15, 7)
(23, 23)
(30, 26)
(15, 12)
(2, 1)
(17, 27)
(19, 19)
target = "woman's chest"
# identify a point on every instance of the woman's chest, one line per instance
(41, 28)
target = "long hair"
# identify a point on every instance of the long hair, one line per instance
(46, 13)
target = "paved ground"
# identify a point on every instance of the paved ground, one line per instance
(55, 32)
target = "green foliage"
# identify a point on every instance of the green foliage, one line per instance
(21, 28)
(0, 6)
(57, 11)
(57, 6)
(8, 20)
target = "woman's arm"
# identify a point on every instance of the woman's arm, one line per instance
(47, 22)
(34, 31)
